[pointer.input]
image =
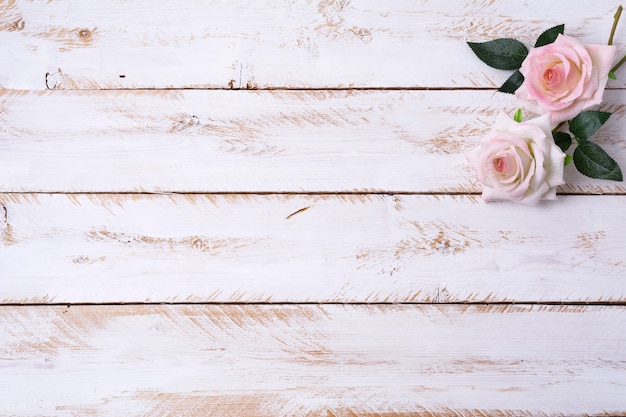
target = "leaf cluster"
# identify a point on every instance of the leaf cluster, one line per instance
(588, 157)
(508, 54)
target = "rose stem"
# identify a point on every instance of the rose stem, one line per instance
(556, 129)
(618, 14)
(619, 64)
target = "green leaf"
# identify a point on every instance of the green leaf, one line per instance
(562, 140)
(568, 160)
(592, 161)
(587, 123)
(612, 75)
(514, 82)
(503, 53)
(518, 116)
(549, 35)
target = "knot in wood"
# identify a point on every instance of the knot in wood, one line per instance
(84, 34)
(198, 244)
(18, 25)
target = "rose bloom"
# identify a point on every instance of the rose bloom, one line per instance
(519, 161)
(565, 77)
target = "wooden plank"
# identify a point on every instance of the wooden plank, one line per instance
(357, 361)
(295, 44)
(309, 248)
(260, 141)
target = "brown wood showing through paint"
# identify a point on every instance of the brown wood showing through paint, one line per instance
(237, 208)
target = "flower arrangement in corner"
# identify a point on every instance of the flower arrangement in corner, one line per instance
(561, 80)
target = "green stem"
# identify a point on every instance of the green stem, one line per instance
(619, 64)
(618, 14)
(556, 129)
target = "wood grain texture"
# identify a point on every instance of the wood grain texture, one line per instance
(263, 208)
(260, 141)
(313, 248)
(357, 361)
(289, 43)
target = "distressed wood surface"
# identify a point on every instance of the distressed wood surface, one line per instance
(356, 361)
(290, 176)
(260, 141)
(273, 44)
(313, 248)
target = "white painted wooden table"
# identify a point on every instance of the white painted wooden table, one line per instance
(246, 208)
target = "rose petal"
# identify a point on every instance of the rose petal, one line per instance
(579, 72)
(518, 161)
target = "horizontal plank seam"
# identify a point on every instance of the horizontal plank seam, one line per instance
(303, 89)
(311, 303)
(270, 88)
(294, 89)
(279, 193)
(218, 193)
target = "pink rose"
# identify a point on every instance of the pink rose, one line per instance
(519, 161)
(565, 77)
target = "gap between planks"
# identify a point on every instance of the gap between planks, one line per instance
(285, 88)
(295, 89)
(389, 193)
(357, 193)
(311, 303)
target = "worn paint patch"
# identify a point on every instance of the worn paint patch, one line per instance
(58, 80)
(198, 243)
(6, 230)
(452, 140)
(68, 38)
(447, 146)
(361, 411)
(48, 330)
(475, 27)
(201, 404)
(241, 136)
(593, 189)
(438, 238)
(331, 13)
(589, 240)
(11, 19)
(87, 260)
(183, 122)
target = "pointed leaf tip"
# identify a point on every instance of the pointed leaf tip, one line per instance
(514, 82)
(562, 140)
(550, 35)
(587, 123)
(591, 160)
(503, 53)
